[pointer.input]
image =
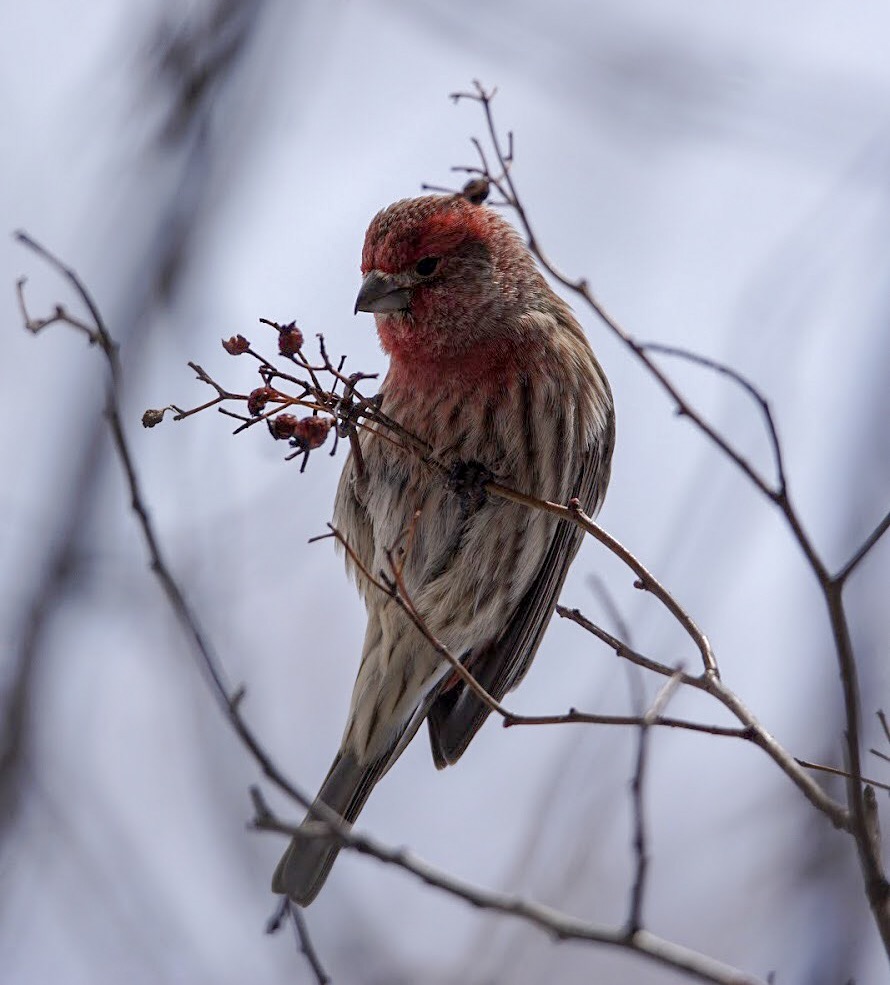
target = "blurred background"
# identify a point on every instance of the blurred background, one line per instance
(720, 174)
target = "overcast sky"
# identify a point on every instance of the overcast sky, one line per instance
(719, 174)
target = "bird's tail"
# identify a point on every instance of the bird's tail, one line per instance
(306, 863)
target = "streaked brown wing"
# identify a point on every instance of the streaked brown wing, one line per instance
(458, 714)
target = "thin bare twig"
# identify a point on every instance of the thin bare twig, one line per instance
(862, 551)
(304, 942)
(208, 663)
(284, 911)
(396, 590)
(834, 811)
(723, 370)
(834, 771)
(640, 843)
(575, 717)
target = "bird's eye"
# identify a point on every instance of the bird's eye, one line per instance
(426, 266)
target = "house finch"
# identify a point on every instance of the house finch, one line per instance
(490, 368)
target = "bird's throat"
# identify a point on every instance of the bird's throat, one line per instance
(426, 361)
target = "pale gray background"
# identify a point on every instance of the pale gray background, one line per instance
(720, 173)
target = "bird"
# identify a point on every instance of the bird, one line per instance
(489, 368)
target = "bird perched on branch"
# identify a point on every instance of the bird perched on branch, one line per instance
(489, 367)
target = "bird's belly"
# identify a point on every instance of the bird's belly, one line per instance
(463, 571)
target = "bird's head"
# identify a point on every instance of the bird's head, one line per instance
(444, 278)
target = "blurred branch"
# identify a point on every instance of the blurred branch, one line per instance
(58, 568)
(306, 945)
(287, 911)
(641, 851)
(228, 700)
(560, 926)
(645, 579)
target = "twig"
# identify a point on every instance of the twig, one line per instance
(834, 771)
(723, 370)
(286, 910)
(304, 942)
(201, 646)
(641, 853)
(575, 717)
(647, 580)
(861, 552)
(834, 811)
(882, 718)
(398, 593)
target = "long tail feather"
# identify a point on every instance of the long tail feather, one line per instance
(306, 863)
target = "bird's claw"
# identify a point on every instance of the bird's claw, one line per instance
(467, 480)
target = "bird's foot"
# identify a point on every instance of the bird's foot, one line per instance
(467, 480)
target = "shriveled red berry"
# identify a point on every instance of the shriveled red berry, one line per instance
(290, 339)
(283, 426)
(258, 399)
(236, 345)
(312, 432)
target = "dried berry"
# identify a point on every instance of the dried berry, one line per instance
(152, 417)
(236, 345)
(283, 426)
(311, 432)
(258, 399)
(290, 339)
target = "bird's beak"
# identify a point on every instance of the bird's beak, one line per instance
(379, 292)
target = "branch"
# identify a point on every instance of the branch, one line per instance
(229, 701)
(575, 717)
(859, 554)
(834, 811)
(286, 910)
(560, 926)
(876, 884)
(753, 730)
(635, 914)
(646, 580)
(723, 370)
